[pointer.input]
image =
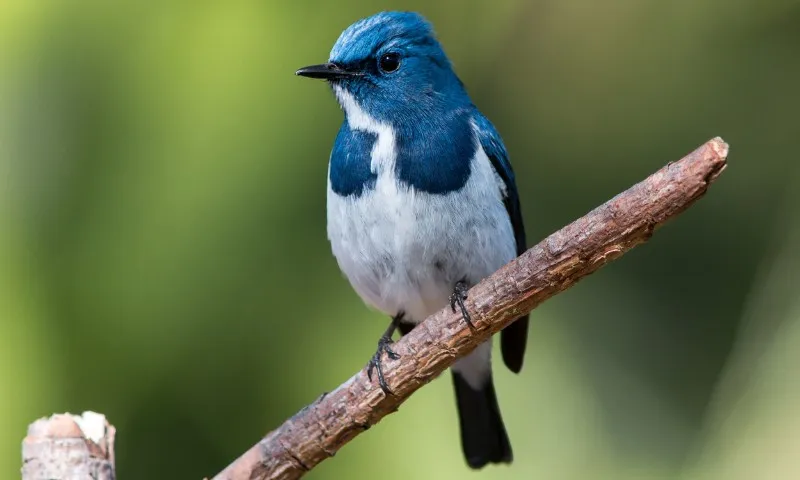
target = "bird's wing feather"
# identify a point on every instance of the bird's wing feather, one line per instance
(514, 337)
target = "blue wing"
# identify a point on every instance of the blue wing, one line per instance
(514, 337)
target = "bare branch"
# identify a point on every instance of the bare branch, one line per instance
(68, 446)
(604, 234)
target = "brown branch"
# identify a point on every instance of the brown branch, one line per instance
(320, 429)
(69, 446)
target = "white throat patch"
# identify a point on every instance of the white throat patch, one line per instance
(384, 152)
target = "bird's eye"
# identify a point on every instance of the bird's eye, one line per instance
(389, 62)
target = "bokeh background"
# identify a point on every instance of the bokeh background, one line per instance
(163, 256)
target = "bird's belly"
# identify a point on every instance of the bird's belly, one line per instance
(403, 250)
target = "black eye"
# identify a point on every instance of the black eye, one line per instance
(389, 62)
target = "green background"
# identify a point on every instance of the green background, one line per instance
(163, 256)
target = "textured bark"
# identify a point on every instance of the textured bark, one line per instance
(556, 263)
(69, 447)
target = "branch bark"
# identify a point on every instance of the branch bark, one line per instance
(317, 431)
(68, 446)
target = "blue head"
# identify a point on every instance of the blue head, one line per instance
(393, 66)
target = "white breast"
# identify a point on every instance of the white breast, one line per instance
(404, 250)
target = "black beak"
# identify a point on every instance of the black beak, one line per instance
(325, 71)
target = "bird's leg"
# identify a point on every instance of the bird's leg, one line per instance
(457, 298)
(383, 346)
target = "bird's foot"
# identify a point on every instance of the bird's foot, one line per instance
(457, 298)
(376, 362)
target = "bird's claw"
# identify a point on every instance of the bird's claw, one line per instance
(375, 362)
(457, 298)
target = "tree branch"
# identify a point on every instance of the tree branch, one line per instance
(317, 431)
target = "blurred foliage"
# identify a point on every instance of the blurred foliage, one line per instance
(163, 257)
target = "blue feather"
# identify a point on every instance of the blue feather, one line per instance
(350, 172)
(434, 155)
(365, 37)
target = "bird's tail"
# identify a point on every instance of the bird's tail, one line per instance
(483, 435)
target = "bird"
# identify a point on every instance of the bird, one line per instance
(421, 202)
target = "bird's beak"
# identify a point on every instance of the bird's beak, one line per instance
(325, 71)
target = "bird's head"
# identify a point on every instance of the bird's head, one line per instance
(393, 66)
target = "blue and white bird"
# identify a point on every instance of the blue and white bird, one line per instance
(421, 201)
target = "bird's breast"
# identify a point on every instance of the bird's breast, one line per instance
(403, 248)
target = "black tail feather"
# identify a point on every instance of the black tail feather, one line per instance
(483, 435)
